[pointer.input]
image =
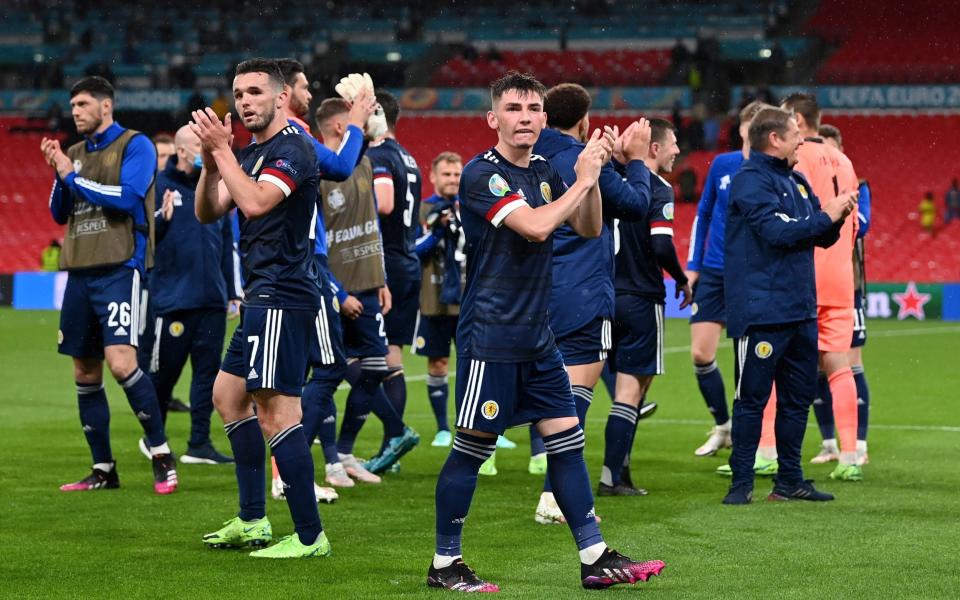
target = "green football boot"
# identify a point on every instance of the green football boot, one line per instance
(765, 467)
(761, 467)
(290, 547)
(237, 533)
(538, 464)
(489, 466)
(847, 473)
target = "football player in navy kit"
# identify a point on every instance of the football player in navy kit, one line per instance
(273, 183)
(509, 371)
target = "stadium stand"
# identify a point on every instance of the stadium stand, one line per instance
(431, 43)
(892, 42)
(25, 223)
(586, 67)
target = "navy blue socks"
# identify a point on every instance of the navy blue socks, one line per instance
(95, 420)
(438, 391)
(295, 463)
(246, 441)
(143, 400)
(710, 382)
(618, 437)
(571, 485)
(455, 487)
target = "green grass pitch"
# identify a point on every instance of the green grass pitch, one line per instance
(897, 534)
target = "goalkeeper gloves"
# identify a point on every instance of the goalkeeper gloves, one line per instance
(349, 87)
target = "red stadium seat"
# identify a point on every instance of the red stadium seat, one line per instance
(587, 67)
(888, 42)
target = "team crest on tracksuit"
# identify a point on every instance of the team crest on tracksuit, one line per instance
(763, 349)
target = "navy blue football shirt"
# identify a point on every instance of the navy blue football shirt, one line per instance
(503, 315)
(637, 270)
(277, 252)
(400, 229)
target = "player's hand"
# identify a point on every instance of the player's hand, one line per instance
(214, 135)
(233, 309)
(618, 146)
(692, 277)
(386, 300)
(839, 207)
(55, 157)
(608, 140)
(687, 295)
(591, 158)
(351, 307)
(364, 105)
(350, 86)
(166, 210)
(636, 140)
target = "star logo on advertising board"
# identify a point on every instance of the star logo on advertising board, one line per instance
(911, 303)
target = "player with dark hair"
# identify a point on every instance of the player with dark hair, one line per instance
(397, 184)
(823, 405)
(830, 172)
(163, 142)
(774, 220)
(645, 250)
(319, 411)
(582, 298)
(705, 273)
(509, 371)
(104, 194)
(273, 183)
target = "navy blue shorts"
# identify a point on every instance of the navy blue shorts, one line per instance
(273, 348)
(365, 335)
(859, 322)
(435, 335)
(492, 397)
(401, 321)
(333, 332)
(708, 305)
(99, 309)
(589, 344)
(637, 336)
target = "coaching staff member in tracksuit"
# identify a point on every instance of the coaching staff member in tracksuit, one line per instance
(193, 285)
(773, 223)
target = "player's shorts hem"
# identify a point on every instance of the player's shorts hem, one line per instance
(226, 369)
(81, 355)
(286, 391)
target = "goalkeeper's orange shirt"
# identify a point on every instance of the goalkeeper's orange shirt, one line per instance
(830, 173)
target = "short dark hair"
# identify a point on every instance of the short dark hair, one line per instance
(162, 138)
(96, 86)
(289, 69)
(565, 104)
(766, 121)
(806, 105)
(524, 83)
(262, 65)
(330, 108)
(391, 107)
(831, 132)
(659, 129)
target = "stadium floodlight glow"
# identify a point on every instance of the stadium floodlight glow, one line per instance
(765, 53)
(393, 56)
